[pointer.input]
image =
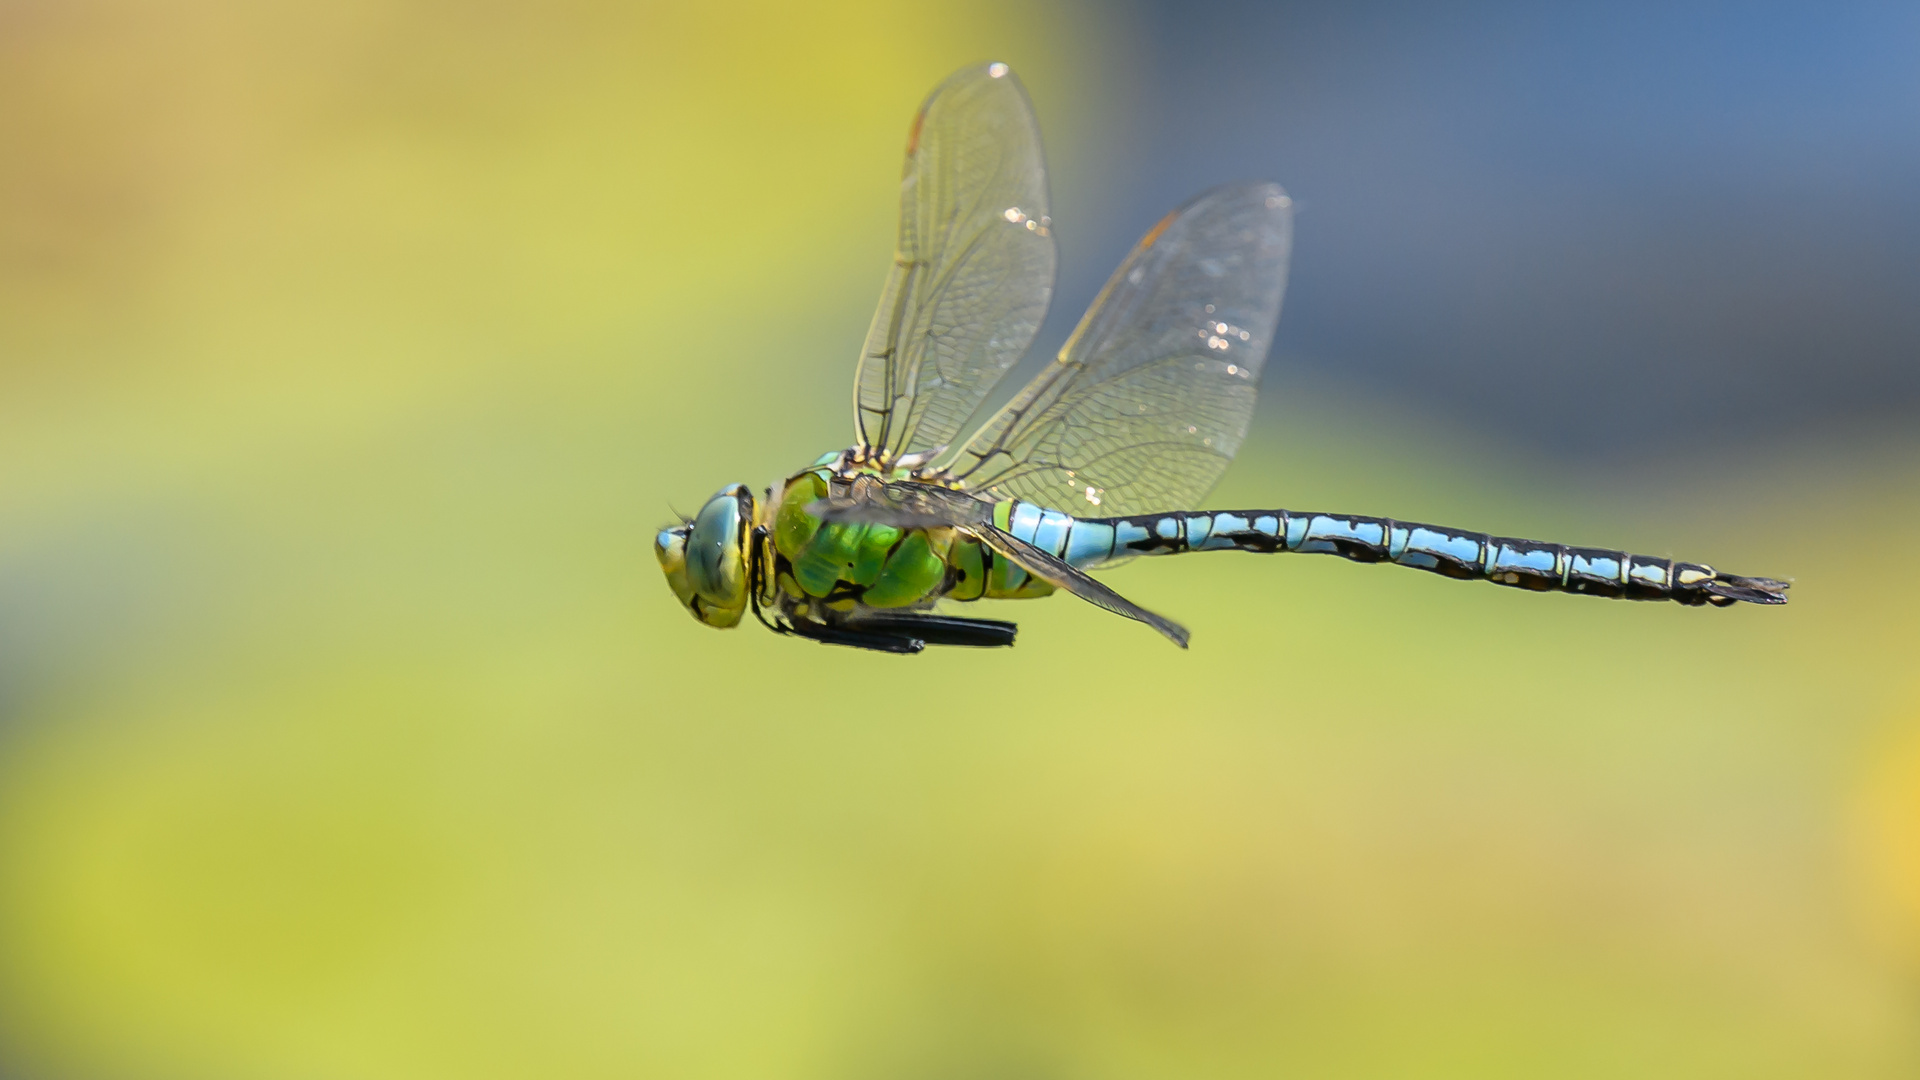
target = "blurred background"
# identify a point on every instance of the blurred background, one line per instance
(351, 352)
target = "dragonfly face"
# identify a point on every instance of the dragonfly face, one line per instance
(706, 560)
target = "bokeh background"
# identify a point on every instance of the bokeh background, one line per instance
(350, 353)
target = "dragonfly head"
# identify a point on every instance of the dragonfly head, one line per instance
(705, 559)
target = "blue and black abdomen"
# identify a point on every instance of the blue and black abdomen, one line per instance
(1522, 564)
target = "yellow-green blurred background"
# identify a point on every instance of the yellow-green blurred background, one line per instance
(351, 352)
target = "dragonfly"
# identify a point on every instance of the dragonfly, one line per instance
(1102, 457)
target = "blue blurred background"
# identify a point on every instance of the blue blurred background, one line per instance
(350, 354)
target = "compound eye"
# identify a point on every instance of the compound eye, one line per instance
(714, 551)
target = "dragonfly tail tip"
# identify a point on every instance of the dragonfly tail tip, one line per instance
(1732, 588)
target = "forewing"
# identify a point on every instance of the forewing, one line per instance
(1151, 396)
(973, 269)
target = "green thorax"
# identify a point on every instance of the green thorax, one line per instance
(845, 564)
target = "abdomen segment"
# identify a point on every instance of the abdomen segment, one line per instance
(1455, 553)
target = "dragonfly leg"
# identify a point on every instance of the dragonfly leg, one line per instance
(939, 629)
(878, 640)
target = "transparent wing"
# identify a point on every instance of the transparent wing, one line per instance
(973, 271)
(901, 504)
(1151, 396)
(1061, 575)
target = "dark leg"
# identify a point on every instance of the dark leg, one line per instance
(859, 638)
(938, 629)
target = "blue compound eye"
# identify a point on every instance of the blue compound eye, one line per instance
(705, 560)
(715, 559)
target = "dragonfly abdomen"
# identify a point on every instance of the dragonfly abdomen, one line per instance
(1455, 553)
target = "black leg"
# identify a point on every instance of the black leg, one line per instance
(859, 638)
(939, 629)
